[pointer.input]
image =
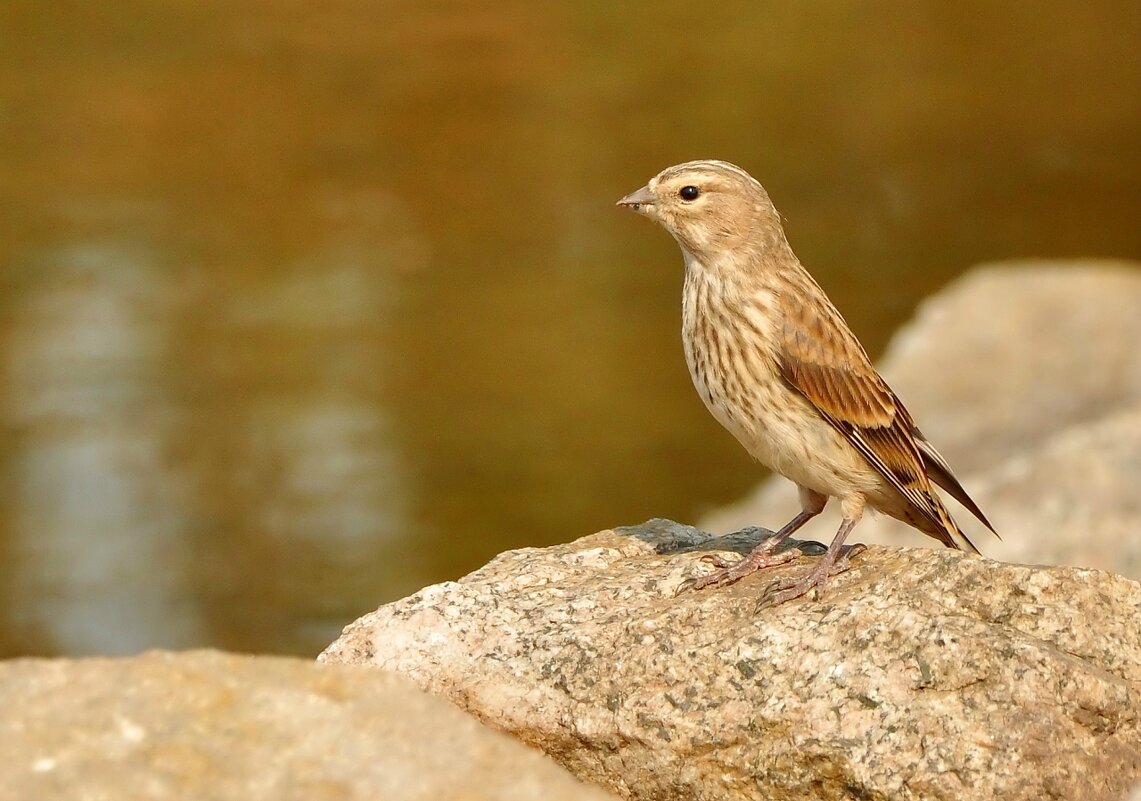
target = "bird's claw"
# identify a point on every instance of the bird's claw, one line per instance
(685, 586)
(788, 588)
(730, 571)
(719, 561)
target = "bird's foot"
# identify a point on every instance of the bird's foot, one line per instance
(733, 570)
(786, 589)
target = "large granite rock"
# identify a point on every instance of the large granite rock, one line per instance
(214, 726)
(1027, 376)
(918, 675)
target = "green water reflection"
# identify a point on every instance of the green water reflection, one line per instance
(304, 307)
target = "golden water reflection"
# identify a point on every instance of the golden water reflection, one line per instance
(302, 309)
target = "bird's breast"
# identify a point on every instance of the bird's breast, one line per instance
(729, 337)
(731, 341)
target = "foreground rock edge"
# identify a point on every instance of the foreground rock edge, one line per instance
(206, 724)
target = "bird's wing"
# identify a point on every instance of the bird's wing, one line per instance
(822, 359)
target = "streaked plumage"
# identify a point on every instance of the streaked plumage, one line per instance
(776, 365)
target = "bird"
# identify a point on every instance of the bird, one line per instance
(778, 367)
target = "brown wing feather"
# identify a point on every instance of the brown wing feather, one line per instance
(823, 360)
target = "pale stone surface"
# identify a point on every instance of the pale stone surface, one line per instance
(206, 725)
(1027, 377)
(1011, 353)
(918, 675)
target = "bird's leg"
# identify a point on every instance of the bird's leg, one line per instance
(764, 555)
(836, 559)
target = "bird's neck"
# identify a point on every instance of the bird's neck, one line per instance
(746, 264)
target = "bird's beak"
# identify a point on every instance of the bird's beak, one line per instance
(635, 200)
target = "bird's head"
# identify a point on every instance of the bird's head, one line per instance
(710, 207)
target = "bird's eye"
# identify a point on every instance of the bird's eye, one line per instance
(688, 193)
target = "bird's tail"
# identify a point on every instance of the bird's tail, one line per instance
(952, 536)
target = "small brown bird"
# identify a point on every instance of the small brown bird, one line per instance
(776, 364)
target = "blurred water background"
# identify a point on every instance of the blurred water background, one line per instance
(306, 305)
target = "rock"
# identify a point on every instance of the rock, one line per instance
(1011, 353)
(213, 726)
(1084, 479)
(918, 675)
(1028, 379)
